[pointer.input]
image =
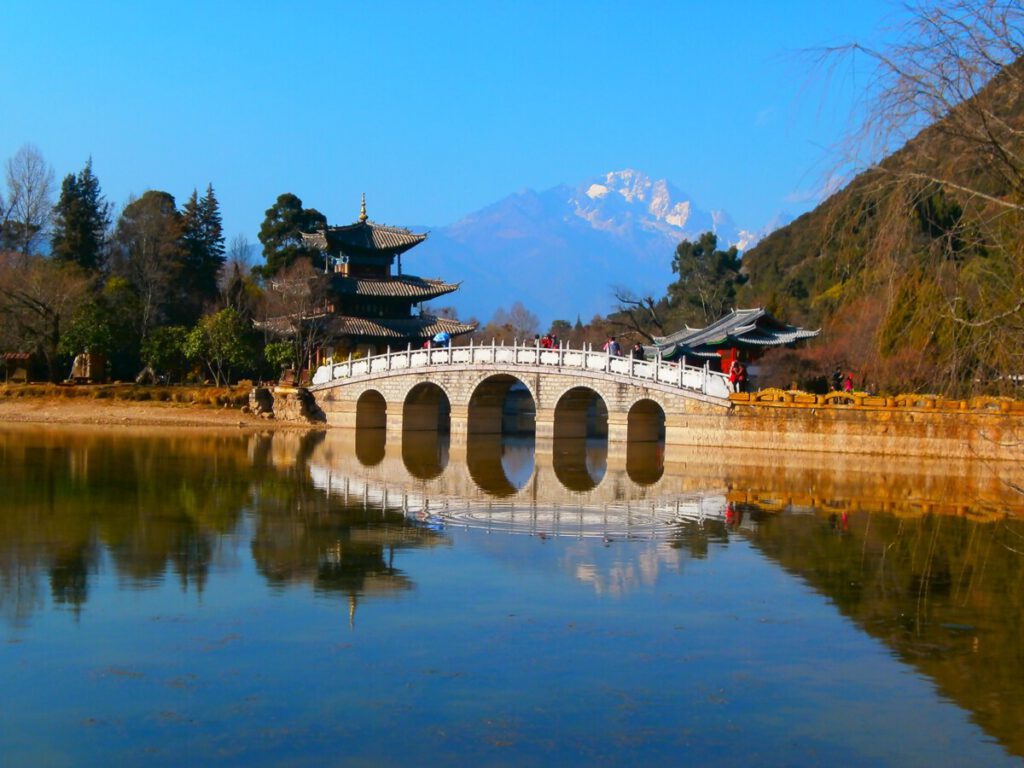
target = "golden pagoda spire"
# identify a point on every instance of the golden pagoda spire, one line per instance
(362, 209)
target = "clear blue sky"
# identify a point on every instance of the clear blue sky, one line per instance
(433, 109)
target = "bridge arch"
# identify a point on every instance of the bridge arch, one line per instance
(581, 412)
(371, 410)
(645, 421)
(501, 404)
(426, 407)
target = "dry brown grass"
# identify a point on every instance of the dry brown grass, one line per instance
(234, 396)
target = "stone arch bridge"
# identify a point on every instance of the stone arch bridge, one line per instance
(566, 392)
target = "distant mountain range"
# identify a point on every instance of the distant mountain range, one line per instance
(562, 252)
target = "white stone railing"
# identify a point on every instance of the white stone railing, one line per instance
(563, 359)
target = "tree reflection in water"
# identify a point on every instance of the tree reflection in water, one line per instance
(338, 545)
(162, 505)
(945, 593)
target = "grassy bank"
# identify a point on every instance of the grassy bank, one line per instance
(234, 396)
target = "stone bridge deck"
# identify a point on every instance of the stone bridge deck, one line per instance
(698, 382)
(475, 380)
(645, 400)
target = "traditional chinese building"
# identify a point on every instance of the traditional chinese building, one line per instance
(371, 308)
(743, 333)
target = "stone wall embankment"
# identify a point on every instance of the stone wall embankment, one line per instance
(920, 430)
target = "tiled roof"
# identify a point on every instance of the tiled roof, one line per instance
(402, 286)
(755, 327)
(422, 327)
(363, 237)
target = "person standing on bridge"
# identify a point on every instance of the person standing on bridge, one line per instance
(837, 379)
(612, 347)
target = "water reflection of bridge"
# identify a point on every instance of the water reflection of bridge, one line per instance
(583, 489)
(579, 490)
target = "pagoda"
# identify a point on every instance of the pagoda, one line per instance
(371, 309)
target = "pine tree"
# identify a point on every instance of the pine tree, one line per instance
(281, 234)
(81, 219)
(203, 239)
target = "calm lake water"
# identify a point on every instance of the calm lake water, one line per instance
(321, 599)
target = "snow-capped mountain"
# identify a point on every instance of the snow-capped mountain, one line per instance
(564, 251)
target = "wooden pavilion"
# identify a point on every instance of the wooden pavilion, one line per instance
(368, 308)
(743, 333)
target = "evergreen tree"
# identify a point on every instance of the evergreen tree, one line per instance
(81, 219)
(706, 287)
(281, 234)
(203, 239)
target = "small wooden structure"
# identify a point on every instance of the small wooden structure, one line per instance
(88, 368)
(16, 367)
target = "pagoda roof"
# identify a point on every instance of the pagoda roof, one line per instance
(740, 328)
(363, 237)
(421, 327)
(401, 287)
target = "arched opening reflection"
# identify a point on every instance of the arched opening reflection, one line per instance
(502, 405)
(645, 462)
(580, 463)
(425, 454)
(580, 450)
(370, 446)
(371, 411)
(426, 409)
(645, 442)
(500, 465)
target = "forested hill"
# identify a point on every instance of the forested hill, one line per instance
(914, 269)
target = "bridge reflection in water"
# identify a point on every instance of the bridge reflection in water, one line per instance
(634, 491)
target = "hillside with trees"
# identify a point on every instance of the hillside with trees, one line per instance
(915, 270)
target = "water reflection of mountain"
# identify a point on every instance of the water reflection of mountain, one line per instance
(945, 593)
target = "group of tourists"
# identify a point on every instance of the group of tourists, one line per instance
(737, 376)
(841, 382)
(611, 346)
